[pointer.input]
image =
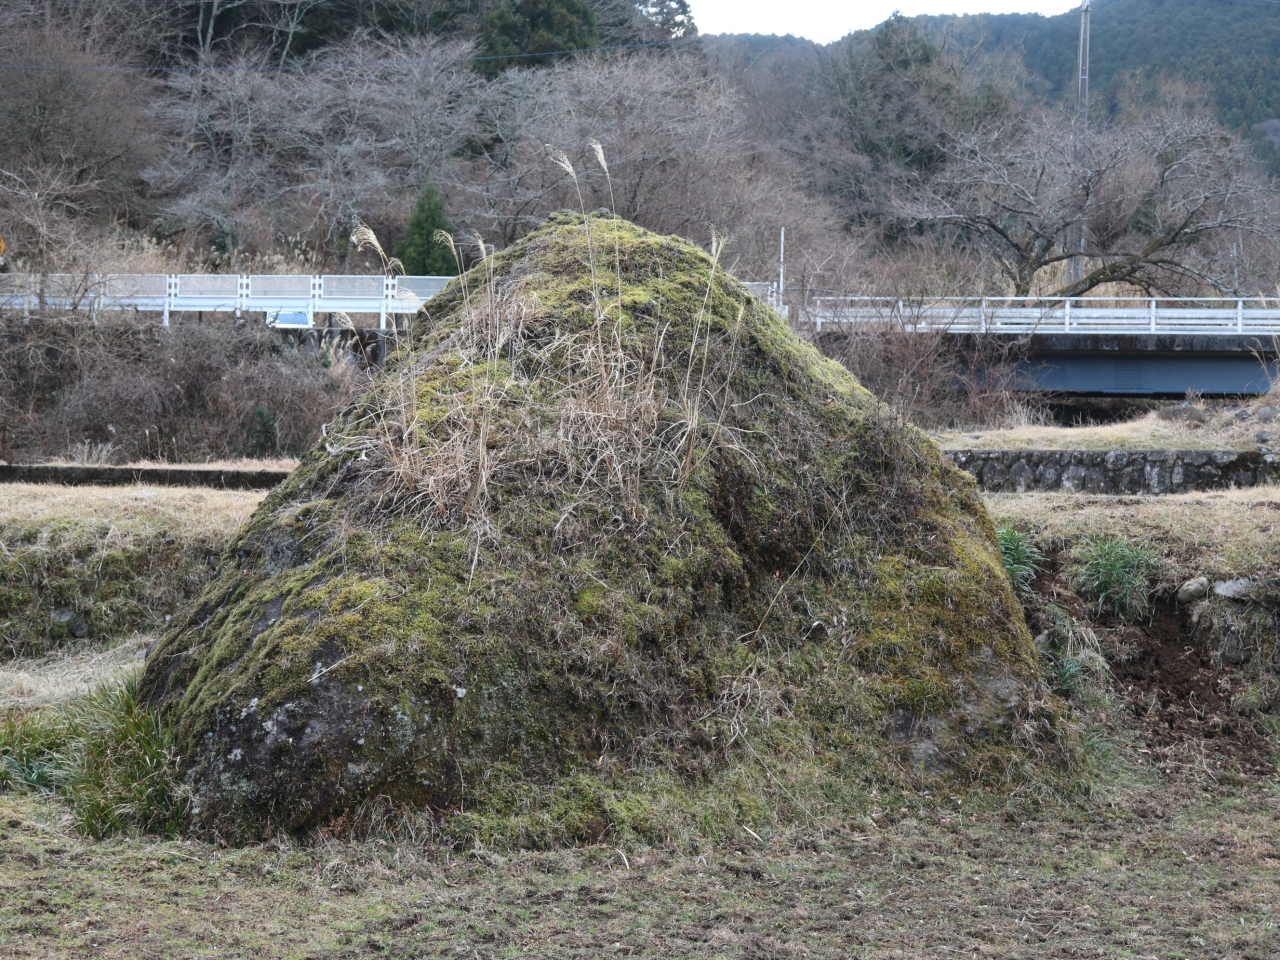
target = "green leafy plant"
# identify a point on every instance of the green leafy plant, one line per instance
(107, 754)
(1069, 676)
(1075, 666)
(1101, 746)
(1022, 558)
(1116, 573)
(31, 748)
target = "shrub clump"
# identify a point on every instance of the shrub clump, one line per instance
(1022, 559)
(132, 391)
(605, 550)
(1116, 573)
(109, 756)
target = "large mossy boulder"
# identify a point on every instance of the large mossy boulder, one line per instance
(603, 535)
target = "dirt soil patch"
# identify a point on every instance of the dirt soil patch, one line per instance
(1177, 692)
(1181, 699)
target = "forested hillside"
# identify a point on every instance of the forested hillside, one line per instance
(922, 158)
(1230, 48)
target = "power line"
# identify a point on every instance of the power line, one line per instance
(319, 65)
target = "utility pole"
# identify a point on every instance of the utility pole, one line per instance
(1075, 238)
(782, 267)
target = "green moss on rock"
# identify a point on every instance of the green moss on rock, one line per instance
(603, 532)
(76, 580)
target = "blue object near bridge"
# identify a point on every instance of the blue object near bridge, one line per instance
(286, 318)
(1147, 365)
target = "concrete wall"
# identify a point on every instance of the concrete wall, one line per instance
(1116, 471)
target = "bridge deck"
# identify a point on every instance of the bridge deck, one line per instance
(1227, 316)
(1085, 345)
(1151, 347)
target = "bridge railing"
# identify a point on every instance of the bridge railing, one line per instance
(296, 299)
(292, 300)
(1012, 315)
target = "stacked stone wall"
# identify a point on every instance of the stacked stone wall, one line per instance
(1116, 471)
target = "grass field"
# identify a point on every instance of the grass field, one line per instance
(1221, 431)
(1167, 870)
(114, 560)
(1174, 853)
(131, 512)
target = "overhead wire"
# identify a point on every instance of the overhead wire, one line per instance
(325, 65)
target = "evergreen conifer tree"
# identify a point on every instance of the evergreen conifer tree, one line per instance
(524, 27)
(417, 249)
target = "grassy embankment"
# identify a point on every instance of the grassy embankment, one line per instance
(1174, 854)
(1221, 430)
(85, 566)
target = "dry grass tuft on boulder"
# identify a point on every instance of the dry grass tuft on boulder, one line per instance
(605, 550)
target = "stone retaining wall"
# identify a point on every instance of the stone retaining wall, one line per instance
(1077, 471)
(195, 476)
(1116, 471)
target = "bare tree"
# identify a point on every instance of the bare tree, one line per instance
(1161, 200)
(116, 28)
(884, 108)
(284, 19)
(672, 137)
(45, 210)
(258, 154)
(75, 140)
(780, 81)
(208, 13)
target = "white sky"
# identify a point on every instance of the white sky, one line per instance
(827, 20)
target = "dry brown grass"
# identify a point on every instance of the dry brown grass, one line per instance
(1176, 871)
(126, 510)
(281, 464)
(1145, 433)
(56, 678)
(578, 398)
(1222, 533)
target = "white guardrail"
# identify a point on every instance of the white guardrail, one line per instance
(1226, 316)
(287, 300)
(296, 300)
